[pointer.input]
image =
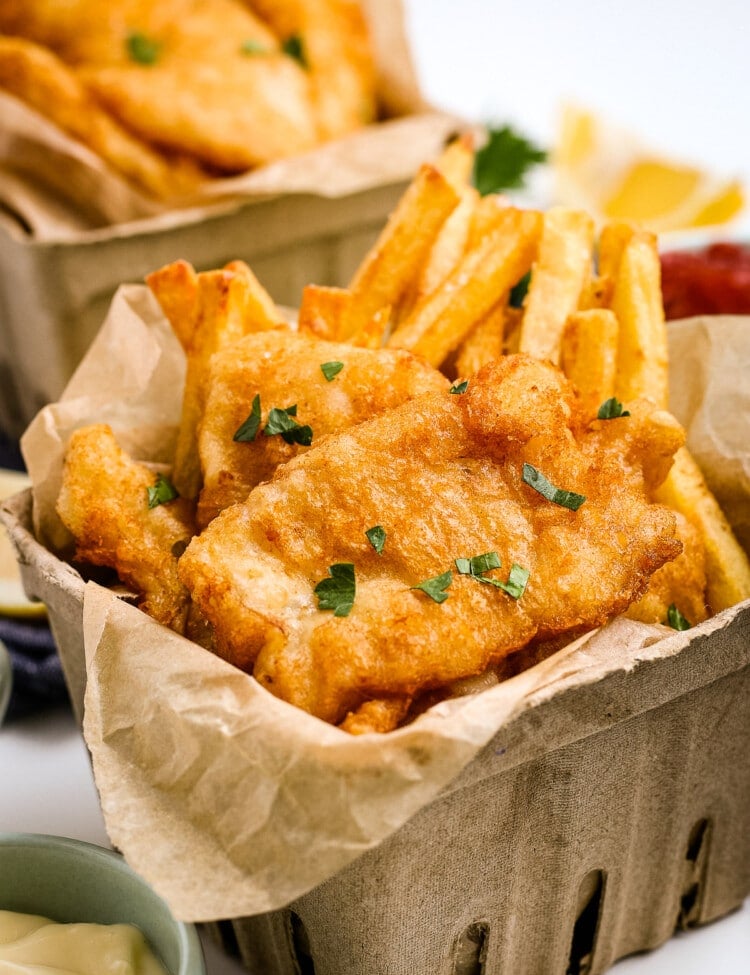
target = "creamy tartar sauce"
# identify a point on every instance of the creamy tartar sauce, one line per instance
(30, 944)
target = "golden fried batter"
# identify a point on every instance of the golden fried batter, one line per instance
(104, 503)
(442, 475)
(284, 369)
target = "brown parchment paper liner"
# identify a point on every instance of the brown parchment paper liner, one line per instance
(229, 801)
(59, 189)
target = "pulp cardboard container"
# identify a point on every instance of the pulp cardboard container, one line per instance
(593, 825)
(72, 231)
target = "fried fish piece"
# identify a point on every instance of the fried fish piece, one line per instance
(105, 504)
(332, 39)
(284, 369)
(206, 79)
(443, 476)
(41, 80)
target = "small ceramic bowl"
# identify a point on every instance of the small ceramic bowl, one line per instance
(68, 880)
(5, 680)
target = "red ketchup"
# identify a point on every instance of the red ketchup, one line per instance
(712, 281)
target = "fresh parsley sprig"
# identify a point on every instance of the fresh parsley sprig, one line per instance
(611, 409)
(142, 49)
(504, 160)
(376, 537)
(294, 46)
(161, 492)
(331, 369)
(676, 620)
(337, 592)
(537, 480)
(479, 564)
(280, 421)
(458, 388)
(435, 587)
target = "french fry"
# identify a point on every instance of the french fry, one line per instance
(557, 280)
(375, 332)
(597, 293)
(445, 253)
(322, 311)
(612, 242)
(444, 319)
(176, 289)
(487, 216)
(456, 161)
(230, 303)
(642, 357)
(401, 248)
(483, 343)
(727, 566)
(588, 355)
(512, 332)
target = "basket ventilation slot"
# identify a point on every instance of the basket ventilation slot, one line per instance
(696, 863)
(590, 900)
(470, 951)
(304, 964)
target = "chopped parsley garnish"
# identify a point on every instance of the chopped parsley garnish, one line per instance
(161, 492)
(337, 592)
(279, 421)
(519, 291)
(476, 566)
(283, 422)
(611, 409)
(676, 620)
(252, 47)
(331, 369)
(295, 48)
(376, 537)
(248, 430)
(435, 588)
(460, 387)
(142, 49)
(537, 480)
(504, 161)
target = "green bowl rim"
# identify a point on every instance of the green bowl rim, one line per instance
(190, 946)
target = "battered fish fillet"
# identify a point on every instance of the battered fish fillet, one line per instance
(442, 475)
(104, 503)
(284, 370)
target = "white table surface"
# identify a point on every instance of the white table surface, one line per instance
(677, 74)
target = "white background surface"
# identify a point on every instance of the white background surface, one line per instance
(678, 75)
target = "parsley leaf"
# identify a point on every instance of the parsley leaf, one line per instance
(331, 369)
(337, 592)
(294, 46)
(376, 538)
(142, 49)
(676, 620)
(252, 47)
(161, 492)
(479, 564)
(537, 480)
(502, 163)
(460, 387)
(283, 422)
(248, 430)
(435, 588)
(519, 290)
(611, 409)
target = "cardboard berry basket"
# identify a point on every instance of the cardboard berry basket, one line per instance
(72, 230)
(575, 813)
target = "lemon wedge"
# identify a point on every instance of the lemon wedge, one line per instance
(602, 168)
(13, 600)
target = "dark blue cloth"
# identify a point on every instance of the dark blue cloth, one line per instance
(38, 681)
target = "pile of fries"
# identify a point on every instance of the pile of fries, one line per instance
(454, 282)
(171, 92)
